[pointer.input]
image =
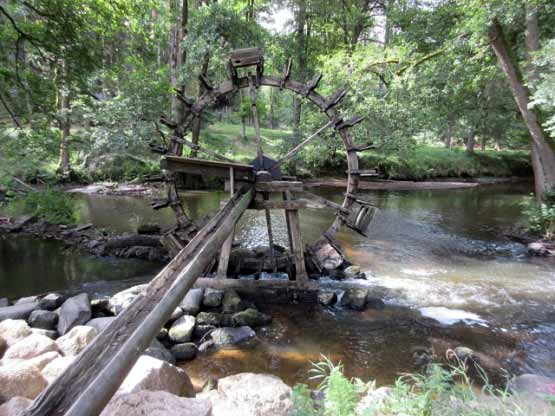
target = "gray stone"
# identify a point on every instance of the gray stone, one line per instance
(27, 299)
(4, 302)
(15, 406)
(18, 311)
(212, 298)
(100, 323)
(209, 318)
(251, 317)
(231, 301)
(206, 345)
(463, 353)
(227, 319)
(248, 394)
(157, 350)
(74, 311)
(184, 352)
(230, 336)
(163, 334)
(182, 329)
(51, 301)
(43, 319)
(192, 301)
(156, 403)
(354, 299)
(201, 330)
(152, 374)
(327, 298)
(176, 314)
(538, 249)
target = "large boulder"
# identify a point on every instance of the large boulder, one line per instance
(123, 299)
(212, 298)
(155, 375)
(156, 403)
(56, 367)
(74, 311)
(100, 323)
(27, 299)
(39, 362)
(230, 336)
(20, 379)
(157, 350)
(232, 302)
(251, 317)
(43, 319)
(76, 340)
(184, 352)
(355, 299)
(192, 301)
(52, 301)
(182, 329)
(15, 406)
(18, 311)
(248, 394)
(31, 346)
(14, 330)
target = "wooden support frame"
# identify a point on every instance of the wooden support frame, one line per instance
(225, 254)
(296, 242)
(312, 85)
(207, 167)
(87, 385)
(278, 186)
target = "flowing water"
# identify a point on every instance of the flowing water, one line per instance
(440, 254)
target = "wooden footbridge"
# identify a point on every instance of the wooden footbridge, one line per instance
(91, 380)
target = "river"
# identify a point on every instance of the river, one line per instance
(440, 253)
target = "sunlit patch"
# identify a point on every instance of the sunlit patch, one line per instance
(448, 316)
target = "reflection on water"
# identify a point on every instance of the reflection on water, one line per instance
(440, 250)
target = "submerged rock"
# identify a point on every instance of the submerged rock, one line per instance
(538, 249)
(43, 319)
(192, 301)
(155, 375)
(156, 403)
(20, 379)
(251, 317)
(230, 336)
(74, 311)
(184, 352)
(231, 301)
(248, 394)
(355, 299)
(352, 272)
(209, 318)
(327, 298)
(76, 340)
(182, 329)
(201, 330)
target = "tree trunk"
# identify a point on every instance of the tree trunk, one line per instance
(448, 138)
(543, 157)
(64, 166)
(195, 134)
(178, 54)
(470, 142)
(300, 54)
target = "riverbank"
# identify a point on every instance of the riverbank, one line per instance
(40, 337)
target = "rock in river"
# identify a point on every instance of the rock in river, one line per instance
(122, 299)
(230, 336)
(18, 311)
(355, 299)
(327, 298)
(51, 301)
(76, 340)
(155, 375)
(74, 311)
(31, 346)
(248, 394)
(184, 352)
(156, 403)
(212, 297)
(157, 350)
(192, 301)
(20, 379)
(14, 330)
(182, 329)
(251, 317)
(209, 318)
(43, 319)
(231, 301)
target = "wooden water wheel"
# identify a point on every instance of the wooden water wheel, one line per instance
(263, 173)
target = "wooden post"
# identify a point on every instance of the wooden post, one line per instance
(256, 122)
(87, 385)
(294, 228)
(228, 244)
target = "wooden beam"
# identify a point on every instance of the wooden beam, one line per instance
(286, 73)
(278, 186)
(322, 202)
(335, 99)
(255, 284)
(228, 244)
(207, 167)
(350, 123)
(297, 248)
(87, 385)
(199, 148)
(312, 85)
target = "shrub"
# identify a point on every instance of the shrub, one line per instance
(541, 218)
(54, 206)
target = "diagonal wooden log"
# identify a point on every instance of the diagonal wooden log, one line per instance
(323, 202)
(87, 385)
(300, 146)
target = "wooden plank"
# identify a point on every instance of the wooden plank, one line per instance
(278, 186)
(207, 167)
(295, 204)
(323, 202)
(171, 243)
(87, 385)
(297, 248)
(245, 57)
(255, 284)
(228, 244)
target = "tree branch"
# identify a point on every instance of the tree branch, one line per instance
(10, 112)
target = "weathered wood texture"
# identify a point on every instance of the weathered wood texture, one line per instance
(297, 247)
(228, 244)
(278, 186)
(207, 167)
(89, 383)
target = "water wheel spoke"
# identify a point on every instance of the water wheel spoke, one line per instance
(301, 145)
(317, 201)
